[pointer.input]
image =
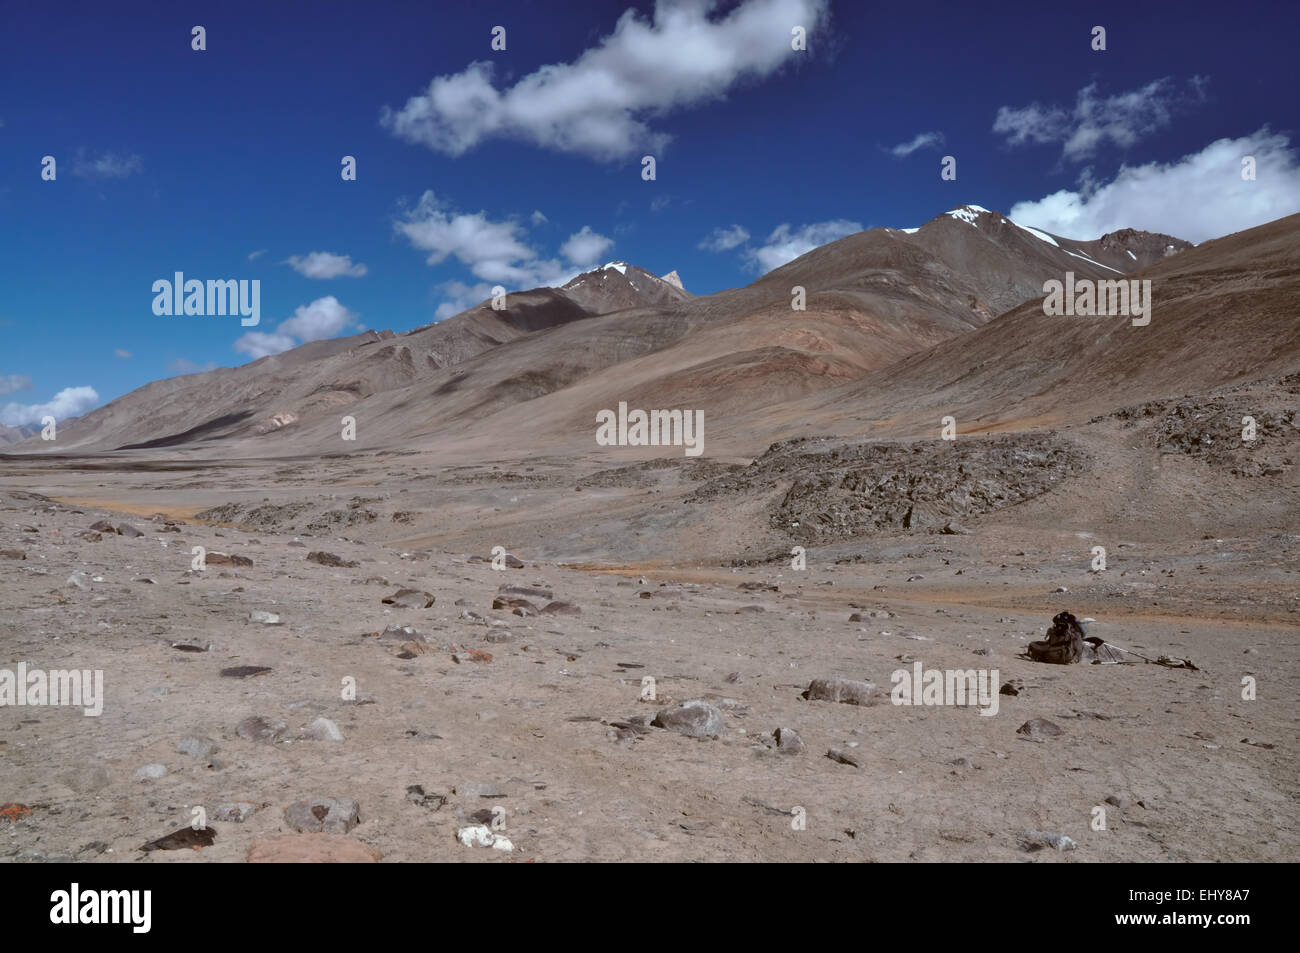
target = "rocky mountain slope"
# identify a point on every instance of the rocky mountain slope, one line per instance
(619, 333)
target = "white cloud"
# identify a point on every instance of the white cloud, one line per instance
(107, 166)
(923, 140)
(725, 239)
(259, 344)
(539, 219)
(1122, 119)
(585, 248)
(460, 296)
(253, 256)
(786, 244)
(122, 353)
(598, 105)
(323, 318)
(1198, 197)
(323, 264)
(9, 383)
(495, 252)
(69, 402)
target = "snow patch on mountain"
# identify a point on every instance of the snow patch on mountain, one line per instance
(1036, 233)
(1090, 261)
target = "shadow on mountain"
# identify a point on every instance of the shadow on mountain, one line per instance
(194, 433)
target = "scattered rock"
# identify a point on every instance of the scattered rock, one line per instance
(197, 747)
(410, 599)
(127, 530)
(322, 729)
(844, 757)
(1036, 729)
(244, 671)
(257, 728)
(695, 719)
(404, 633)
(845, 690)
(102, 526)
(788, 741)
(514, 602)
(225, 559)
(80, 580)
(234, 812)
(1013, 687)
(561, 608)
(530, 592)
(416, 795)
(190, 647)
(329, 559)
(151, 772)
(749, 610)
(266, 618)
(12, 813)
(323, 814)
(12, 554)
(185, 838)
(953, 528)
(480, 835)
(1037, 840)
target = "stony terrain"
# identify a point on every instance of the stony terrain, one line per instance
(475, 634)
(532, 718)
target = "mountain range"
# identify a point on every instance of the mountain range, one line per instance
(898, 327)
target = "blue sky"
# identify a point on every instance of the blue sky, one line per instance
(170, 159)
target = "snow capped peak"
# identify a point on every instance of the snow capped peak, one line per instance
(619, 266)
(968, 213)
(674, 279)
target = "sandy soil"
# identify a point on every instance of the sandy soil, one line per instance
(1194, 771)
